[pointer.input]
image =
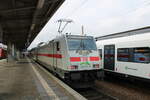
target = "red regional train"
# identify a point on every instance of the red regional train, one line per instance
(3, 53)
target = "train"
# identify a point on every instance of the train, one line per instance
(3, 53)
(74, 58)
(128, 56)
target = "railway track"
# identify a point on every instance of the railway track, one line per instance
(95, 94)
(125, 89)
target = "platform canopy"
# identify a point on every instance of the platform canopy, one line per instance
(22, 20)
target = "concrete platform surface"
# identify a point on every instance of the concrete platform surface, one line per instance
(23, 81)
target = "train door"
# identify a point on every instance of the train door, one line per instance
(100, 55)
(109, 57)
(56, 50)
(54, 53)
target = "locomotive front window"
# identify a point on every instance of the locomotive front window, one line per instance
(81, 44)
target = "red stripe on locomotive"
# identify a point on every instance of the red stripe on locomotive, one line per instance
(83, 59)
(75, 59)
(51, 55)
(94, 58)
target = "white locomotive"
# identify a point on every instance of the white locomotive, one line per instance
(127, 56)
(71, 57)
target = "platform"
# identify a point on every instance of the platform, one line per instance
(24, 80)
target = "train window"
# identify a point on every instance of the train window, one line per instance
(123, 54)
(57, 45)
(100, 52)
(138, 54)
(141, 55)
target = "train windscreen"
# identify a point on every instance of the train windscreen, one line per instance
(81, 44)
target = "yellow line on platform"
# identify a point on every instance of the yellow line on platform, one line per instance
(48, 90)
(75, 94)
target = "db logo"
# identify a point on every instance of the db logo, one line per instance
(84, 59)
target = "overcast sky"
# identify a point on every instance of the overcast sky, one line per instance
(99, 17)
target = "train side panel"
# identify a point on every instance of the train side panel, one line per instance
(131, 55)
(54, 56)
(64, 53)
(139, 64)
(44, 55)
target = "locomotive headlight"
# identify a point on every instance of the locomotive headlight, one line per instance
(73, 67)
(95, 65)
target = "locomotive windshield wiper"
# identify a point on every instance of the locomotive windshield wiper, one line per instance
(85, 46)
(81, 46)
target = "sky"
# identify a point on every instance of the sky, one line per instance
(99, 17)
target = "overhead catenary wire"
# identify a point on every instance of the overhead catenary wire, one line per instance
(142, 5)
(77, 8)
